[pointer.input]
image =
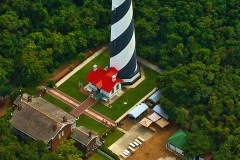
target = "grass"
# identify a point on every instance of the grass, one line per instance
(97, 156)
(70, 87)
(91, 124)
(112, 137)
(58, 103)
(132, 96)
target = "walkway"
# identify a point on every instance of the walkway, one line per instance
(80, 66)
(84, 105)
(149, 65)
(80, 108)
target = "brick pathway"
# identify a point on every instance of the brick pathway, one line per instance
(99, 117)
(84, 105)
(80, 108)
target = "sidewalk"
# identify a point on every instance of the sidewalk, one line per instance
(83, 106)
(149, 65)
(80, 66)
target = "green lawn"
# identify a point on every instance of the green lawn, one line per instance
(132, 96)
(58, 103)
(70, 87)
(91, 124)
(112, 137)
(97, 156)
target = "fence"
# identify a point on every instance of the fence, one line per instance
(104, 154)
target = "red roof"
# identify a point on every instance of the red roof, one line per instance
(103, 79)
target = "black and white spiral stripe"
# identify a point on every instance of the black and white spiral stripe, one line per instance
(122, 43)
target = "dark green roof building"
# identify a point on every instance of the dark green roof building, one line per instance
(176, 141)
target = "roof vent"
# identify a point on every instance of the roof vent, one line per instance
(94, 67)
(64, 119)
(114, 78)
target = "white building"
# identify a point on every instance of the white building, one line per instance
(105, 83)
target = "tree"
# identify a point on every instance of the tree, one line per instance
(9, 145)
(203, 99)
(198, 143)
(34, 63)
(6, 68)
(67, 150)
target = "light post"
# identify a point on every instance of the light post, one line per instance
(106, 138)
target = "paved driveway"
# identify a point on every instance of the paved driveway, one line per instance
(130, 136)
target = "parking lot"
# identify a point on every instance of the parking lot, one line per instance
(130, 136)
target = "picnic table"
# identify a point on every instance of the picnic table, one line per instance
(141, 139)
(138, 141)
(132, 145)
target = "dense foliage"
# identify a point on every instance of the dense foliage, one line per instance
(198, 46)
(36, 36)
(195, 42)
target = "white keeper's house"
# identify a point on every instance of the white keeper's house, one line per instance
(104, 83)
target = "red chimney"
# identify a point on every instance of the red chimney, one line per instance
(89, 133)
(54, 127)
(64, 119)
(19, 106)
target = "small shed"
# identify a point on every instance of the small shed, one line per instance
(160, 111)
(176, 141)
(155, 97)
(138, 112)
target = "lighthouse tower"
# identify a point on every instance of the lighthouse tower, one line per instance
(122, 41)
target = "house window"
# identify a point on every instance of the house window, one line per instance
(112, 90)
(59, 135)
(115, 43)
(62, 133)
(117, 86)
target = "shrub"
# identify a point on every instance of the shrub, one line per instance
(50, 83)
(81, 57)
(71, 67)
